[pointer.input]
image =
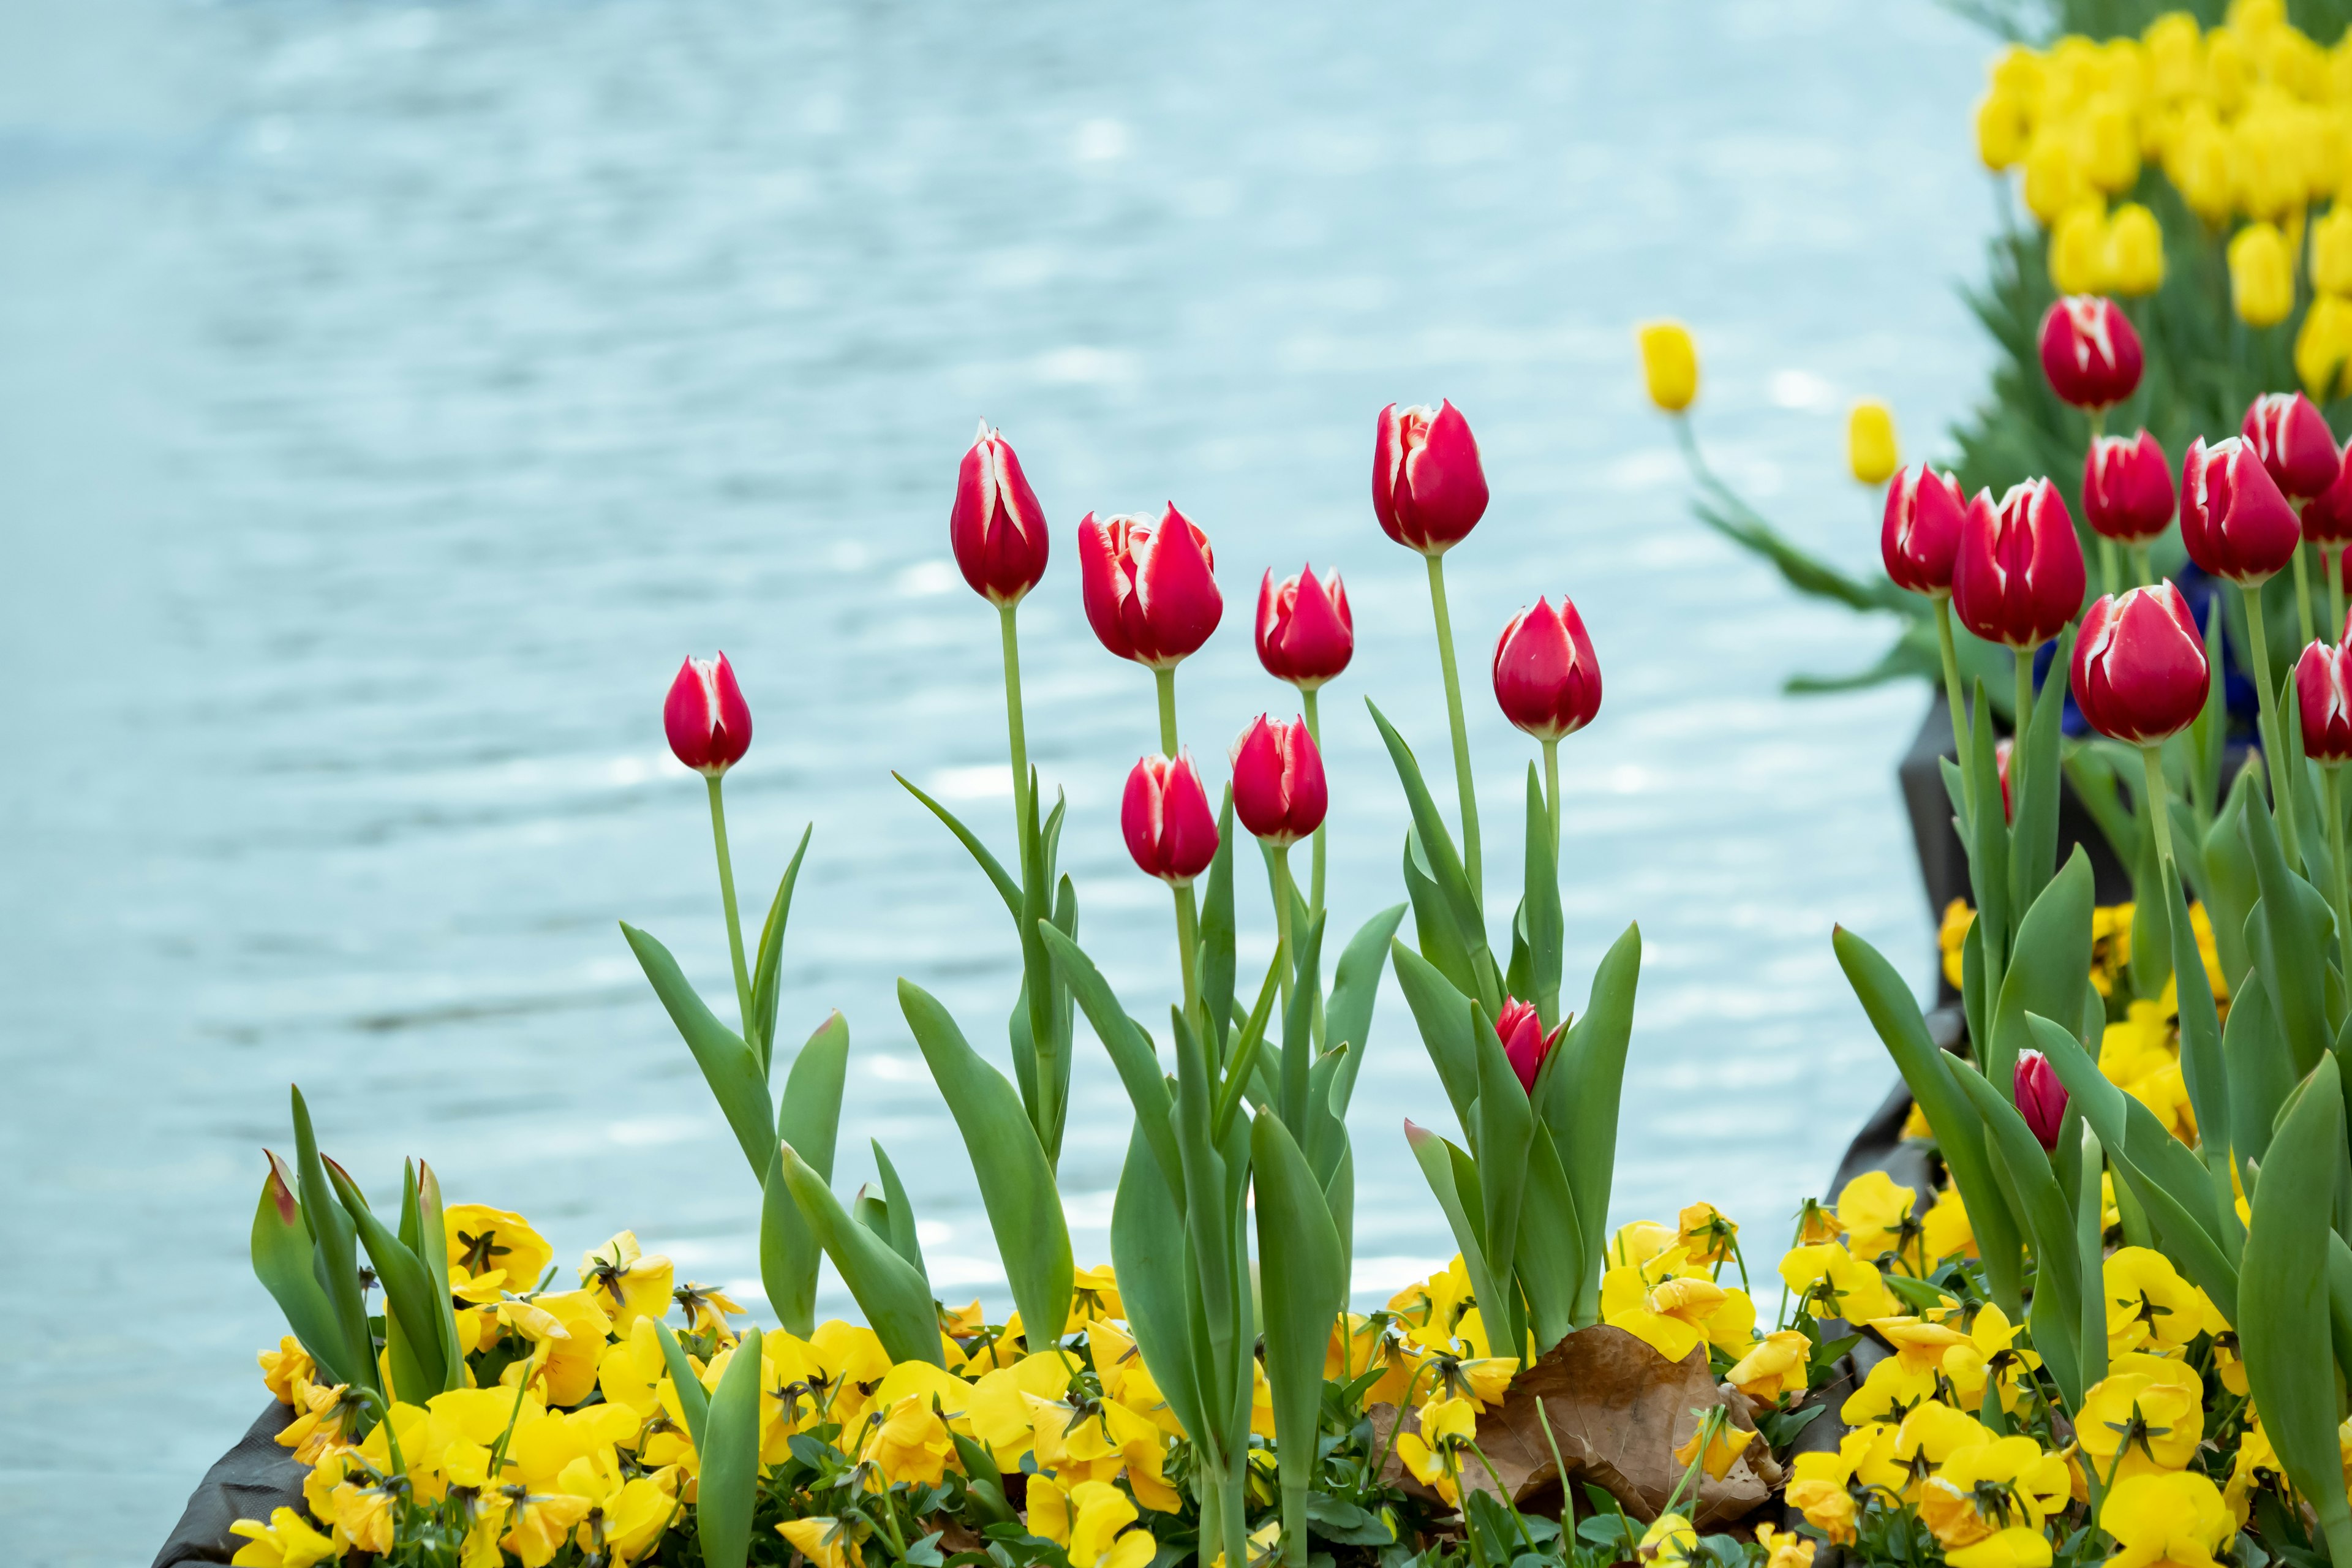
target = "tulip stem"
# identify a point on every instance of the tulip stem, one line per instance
(2333, 783)
(734, 920)
(1013, 720)
(1551, 795)
(1463, 781)
(2109, 569)
(2302, 597)
(1188, 954)
(1166, 681)
(1961, 744)
(1315, 875)
(2143, 570)
(2274, 756)
(1282, 922)
(2331, 566)
(2020, 722)
(2159, 803)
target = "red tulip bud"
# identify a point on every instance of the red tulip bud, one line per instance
(2089, 351)
(2323, 690)
(2292, 442)
(1523, 1042)
(2234, 519)
(2139, 671)
(1149, 588)
(2019, 576)
(710, 727)
(2327, 516)
(2001, 749)
(2040, 1098)
(1305, 634)
(2128, 488)
(1165, 815)
(1546, 678)
(1922, 533)
(1278, 789)
(1428, 489)
(995, 528)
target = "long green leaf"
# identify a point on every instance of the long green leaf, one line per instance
(2048, 971)
(2229, 886)
(898, 1212)
(2261, 1068)
(1539, 905)
(334, 1254)
(1988, 846)
(1551, 1245)
(282, 1261)
(730, 1485)
(433, 1249)
(1434, 927)
(1130, 1048)
(2057, 1309)
(1435, 1157)
(412, 1299)
(1582, 1109)
(1504, 1128)
(1148, 1251)
(1299, 1032)
(808, 1116)
(1218, 966)
(2285, 933)
(2203, 1067)
(1448, 1032)
(729, 1066)
(896, 1303)
(1306, 1286)
(2033, 841)
(768, 964)
(1006, 887)
(1443, 862)
(693, 1402)
(1355, 987)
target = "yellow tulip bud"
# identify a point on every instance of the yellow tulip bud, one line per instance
(2331, 252)
(2135, 259)
(2002, 128)
(2074, 72)
(2057, 175)
(2018, 74)
(1870, 448)
(2229, 72)
(2200, 165)
(2113, 139)
(2324, 347)
(2078, 249)
(2261, 274)
(2266, 159)
(2339, 69)
(2252, 19)
(2128, 71)
(1669, 365)
(2174, 47)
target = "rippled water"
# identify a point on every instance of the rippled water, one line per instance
(390, 396)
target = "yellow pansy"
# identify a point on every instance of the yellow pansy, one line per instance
(825, 1542)
(1944, 1229)
(1438, 1302)
(286, 1369)
(2131, 1424)
(910, 1443)
(1672, 1316)
(2016, 1547)
(2261, 274)
(1707, 1235)
(2150, 1305)
(1094, 1294)
(1775, 1365)
(1890, 1390)
(1816, 1223)
(1952, 937)
(1984, 1487)
(1877, 1212)
(2176, 1518)
(536, 1524)
(707, 1309)
(626, 1284)
(1445, 1425)
(1089, 1522)
(1669, 365)
(288, 1540)
(1669, 1542)
(1725, 1444)
(1819, 1484)
(325, 1420)
(2256, 1460)
(364, 1512)
(1784, 1548)
(1834, 1283)
(626, 1515)
(1991, 1353)
(484, 1241)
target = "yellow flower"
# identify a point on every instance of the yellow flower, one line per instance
(2256, 1458)
(1784, 1548)
(1438, 1302)
(2130, 1424)
(2135, 259)
(2177, 1518)
(626, 1515)
(363, 1513)
(1985, 1488)
(1709, 1237)
(1669, 365)
(2112, 143)
(2057, 170)
(1445, 1425)
(707, 1309)
(1951, 939)
(2199, 166)
(1945, 1230)
(910, 1444)
(1834, 1283)
(1776, 1366)
(1819, 1484)
(1000, 1406)
(572, 1354)
(2003, 125)
(1893, 1389)
(288, 1540)
(1870, 447)
(1672, 1316)
(1095, 1295)
(1990, 1353)
(326, 1420)
(1089, 1522)
(2324, 345)
(1816, 1223)
(625, 1284)
(1725, 1444)
(2150, 1305)
(2331, 252)
(536, 1524)
(825, 1542)
(2261, 274)
(1877, 1212)
(2016, 1547)
(2078, 248)
(1669, 1542)
(286, 1369)
(484, 1241)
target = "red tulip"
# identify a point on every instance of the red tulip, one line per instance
(2232, 518)
(1546, 678)
(2327, 516)
(1278, 789)
(995, 527)
(2139, 671)
(2019, 577)
(1165, 815)
(1305, 634)
(2126, 488)
(2293, 441)
(1428, 489)
(2323, 690)
(710, 727)
(2089, 351)
(2040, 1098)
(1523, 1042)
(1922, 531)
(1150, 588)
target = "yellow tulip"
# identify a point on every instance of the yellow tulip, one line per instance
(2229, 72)
(2112, 138)
(2078, 249)
(2199, 166)
(1870, 447)
(2134, 257)
(2174, 49)
(2057, 170)
(2322, 349)
(2018, 73)
(2003, 126)
(1669, 365)
(2261, 274)
(2331, 252)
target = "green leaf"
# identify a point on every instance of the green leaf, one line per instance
(2057, 1310)
(1130, 1048)
(1299, 1032)
(729, 1066)
(2229, 885)
(768, 965)
(1988, 846)
(1244, 1067)
(2033, 842)
(1326, 1134)
(1551, 1251)
(1443, 1014)
(2285, 933)
(412, 1299)
(1016, 1183)
(1804, 571)
(729, 1487)
(692, 1401)
(808, 1116)
(1217, 963)
(1433, 922)
(2261, 1068)
(1444, 863)
(2203, 1067)
(282, 1261)
(1149, 1252)
(1355, 987)
(1539, 906)
(1504, 1131)
(1443, 1173)
(433, 1250)
(899, 1214)
(334, 1253)
(897, 1302)
(1582, 1105)
(1305, 1284)
(1006, 887)
(2048, 970)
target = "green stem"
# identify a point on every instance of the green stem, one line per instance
(2335, 853)
(1551, 791)
(2302, 597)
(2143, 570)
(1165, 680)
(1462, 779)
(1188, 953)
(2023, 722)
(1315, 875)
(2108, 570)
(727, 894)
(1959, 703)
(1282, 922)
(2274, 756)
(1013, 720)
(2331, 566)
(2159, 809)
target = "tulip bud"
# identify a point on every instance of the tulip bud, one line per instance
(1669, 365)
(2261, 274)
(1922, 531)
(2128, 488)
(1166, 818)
(2331, 252)
(2040, 1098)
(2140, 672)
(1520, 1029)
(2078, 248)
(1149, 588)
(2089, 351)
(1428, 489)
(1870, 450)
(2232, 518)
(2323, 348)
(2292, 442)
(2135, 261)
(1305, 634)
(1278, 788)
(2323, 692)
(708, 725)
(2327, 516)
(2019, 576)
(995, 527)
(1546, 678)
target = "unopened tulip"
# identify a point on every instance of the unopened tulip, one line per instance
(1669, 365)
(2293, 444)
(2323, 692)
(2089, 351)
(1429, 490)
(2331, 252)
(2019, 577)
(996, 529)
(1546, 676)
(1278, 787)
(1870, 447)
(2040, 1097)
(2128, 488)
(2323, 347)
(1305, 634)
(2234, 519)
(2078, 248)
(1520, 1029)
(1165, 815)
(2003, 123)
(1149, 587)
(2327, 516)
(2135, 251)
(1921, 534)
(2261, 274)
(2140, 672)
(708, 725)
